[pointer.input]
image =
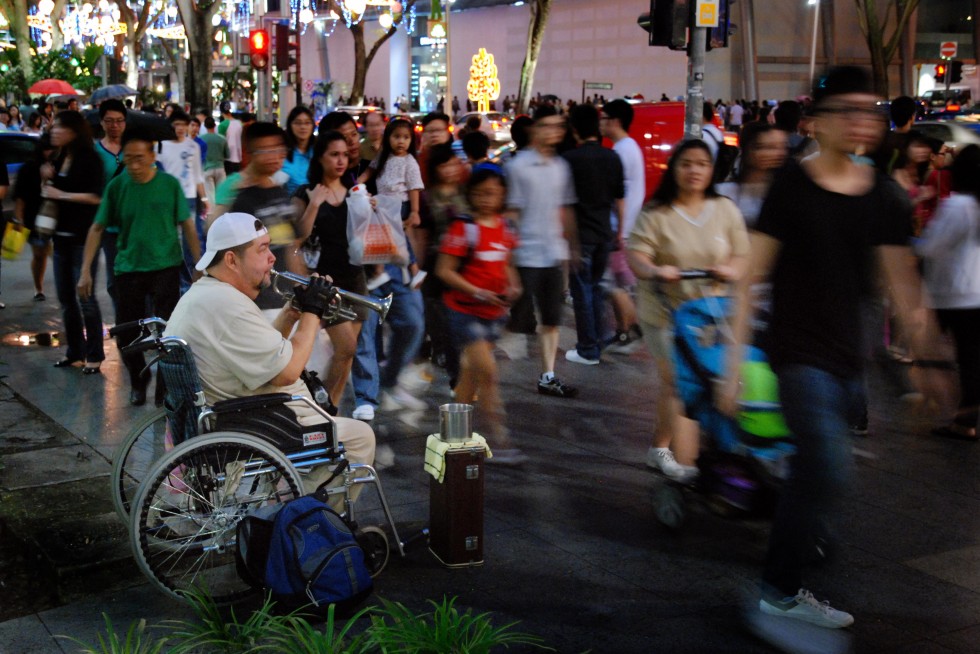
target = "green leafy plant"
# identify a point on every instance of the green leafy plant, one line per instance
(136, 641)
(215, 632)
(300, 637)
(443, 631)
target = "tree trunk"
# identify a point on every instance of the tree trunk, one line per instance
(57, 36)
(196, 17)
(535, 36)
(882, 48)
(360, 66)
(16, 14)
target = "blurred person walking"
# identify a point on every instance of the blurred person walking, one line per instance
(27, 202)
(214, 159)
(950, 247)
(597, 175)
(75, 181)
(764, 151)
(299, 147)
(822, 226)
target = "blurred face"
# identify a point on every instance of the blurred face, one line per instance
(334, 160)
(180, 128)
(450, 172)
(73, 105)
(61, 135)
(770, 150)
(267, 155)
(194, 129)
(851, 123)
(435, 133)
(693, 170)
(550, 131)
(374, 125)
(113, 123)
(918, 152)
(488, 197)
(400, 140)
(139, 158)
(606, 125)
(353, 139)
(302, 128)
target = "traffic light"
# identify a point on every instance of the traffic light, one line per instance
(940, 73)
(955, 72)
(285, 47)
(667, 23)
(258, 42)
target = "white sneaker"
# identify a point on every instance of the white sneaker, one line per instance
(806, 607)
(575, 357)
(398, 399)
(364, 412)
(662, 459)
(384, 457)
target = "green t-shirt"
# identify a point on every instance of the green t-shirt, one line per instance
(147, 216)
(223, 126)
(217, 150)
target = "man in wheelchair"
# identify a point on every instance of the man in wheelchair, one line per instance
(237, 351)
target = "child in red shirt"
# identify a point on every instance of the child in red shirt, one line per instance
(475, 263)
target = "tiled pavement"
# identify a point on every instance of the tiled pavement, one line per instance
(573, 549)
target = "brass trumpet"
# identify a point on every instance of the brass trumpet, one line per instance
(340, 304)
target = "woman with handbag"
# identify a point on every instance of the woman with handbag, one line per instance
(75, 181)
(322, 203)
(27, 202)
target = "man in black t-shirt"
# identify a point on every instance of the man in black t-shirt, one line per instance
(256, 192)
(597, 173)
(825, 223)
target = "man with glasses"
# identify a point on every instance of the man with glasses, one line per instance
(540, 197)
(112, 114)
(825, 224)
(256, 192)
(145, 205)
(435, 131)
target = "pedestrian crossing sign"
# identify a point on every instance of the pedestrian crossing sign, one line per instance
(706, 13)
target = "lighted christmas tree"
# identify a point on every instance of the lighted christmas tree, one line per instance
(483, 85)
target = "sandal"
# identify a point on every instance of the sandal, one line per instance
(956, 433)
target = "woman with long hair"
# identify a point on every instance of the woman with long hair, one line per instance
(322, 203)
(75, 182)
(299, 146)
(16, 121)
(911, 170)
(764, 151)
(35, 124)
(686, 225)
(27, 202)
(950, 247)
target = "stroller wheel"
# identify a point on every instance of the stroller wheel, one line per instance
(668, 505)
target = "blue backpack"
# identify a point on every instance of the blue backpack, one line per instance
(314, 559)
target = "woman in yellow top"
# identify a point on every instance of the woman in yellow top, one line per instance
(686, 225)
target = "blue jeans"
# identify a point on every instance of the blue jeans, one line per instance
(187, 270)
(407, 324)
(82, 318)
(587, 296)
(818, 407)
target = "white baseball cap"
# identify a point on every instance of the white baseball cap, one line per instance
(228, 231)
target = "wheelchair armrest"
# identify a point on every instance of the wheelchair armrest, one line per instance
(263, 401)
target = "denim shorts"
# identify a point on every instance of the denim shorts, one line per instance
(465, 328)
(38, 240)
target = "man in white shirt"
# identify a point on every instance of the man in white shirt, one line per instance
(181, 158)
(735, 115)
(237, 351)
(233, 134)
(615, 121)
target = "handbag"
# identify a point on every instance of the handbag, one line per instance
(14, 238)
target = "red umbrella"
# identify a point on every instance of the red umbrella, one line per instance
(46, 86)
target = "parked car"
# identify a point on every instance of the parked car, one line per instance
(492, 123)
(15, 149)
(953, 133)
(941, 101)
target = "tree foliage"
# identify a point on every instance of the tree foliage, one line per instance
(74, 65)
(874, 18)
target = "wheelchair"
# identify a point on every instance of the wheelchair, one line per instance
(187, 474)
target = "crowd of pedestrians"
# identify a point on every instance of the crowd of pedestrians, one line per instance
(496, 249)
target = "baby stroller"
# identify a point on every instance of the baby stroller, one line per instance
(743, 459)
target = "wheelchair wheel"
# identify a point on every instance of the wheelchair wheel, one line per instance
(374, 541)
(140, 451)
(185, 515)
(668, 506)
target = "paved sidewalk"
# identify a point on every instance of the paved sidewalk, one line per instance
(573, 548)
